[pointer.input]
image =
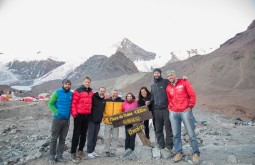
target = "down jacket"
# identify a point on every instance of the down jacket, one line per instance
(112, 108)
(126, 106)
(82, 101)
(181, 96)
(60, 104)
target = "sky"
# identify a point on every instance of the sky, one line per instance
(81, 28)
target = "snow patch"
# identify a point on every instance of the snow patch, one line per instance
(60, 72)
(6, 76)
(25, 88)
(162, 59)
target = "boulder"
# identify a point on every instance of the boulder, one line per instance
(144, 153)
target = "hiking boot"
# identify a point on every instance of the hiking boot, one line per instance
(158, 147)
(167, 149)
(95, 154)
(51, 161)
(195, 158)
(177, 157)
(60, 159)
(80, 155)
(91, 155)
(74, 158)
(127, 152)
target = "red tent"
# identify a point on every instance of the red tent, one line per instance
(27, 99)
(3, 99)
(41, 97)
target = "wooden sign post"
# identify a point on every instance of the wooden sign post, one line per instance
(135, 117)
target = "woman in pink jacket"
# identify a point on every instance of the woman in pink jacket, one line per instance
(129, 104)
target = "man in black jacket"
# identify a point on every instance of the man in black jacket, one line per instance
(95, 118)
(160, 112)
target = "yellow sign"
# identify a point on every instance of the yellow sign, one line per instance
(128, 114)
(136, 129)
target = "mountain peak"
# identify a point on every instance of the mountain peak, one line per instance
(134, 52)
(125, 40)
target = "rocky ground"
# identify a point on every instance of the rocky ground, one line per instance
(25, 133)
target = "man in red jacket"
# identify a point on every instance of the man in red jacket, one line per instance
(80, 110)
(181, 99)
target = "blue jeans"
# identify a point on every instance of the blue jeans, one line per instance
(188, 120)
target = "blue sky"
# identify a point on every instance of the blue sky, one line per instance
(77, 28)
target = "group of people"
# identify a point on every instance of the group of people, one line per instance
(170, 101)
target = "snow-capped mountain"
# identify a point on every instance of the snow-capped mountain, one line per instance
(31, 70)
(173, 56)
(25, 72)
(60, 72)
(133, 52)
(145, 61)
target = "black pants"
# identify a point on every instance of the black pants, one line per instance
(130, 140)
(147, 128)
(79, 132)
(93, 130)
(161, 120)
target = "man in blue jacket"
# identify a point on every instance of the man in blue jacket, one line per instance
(60, 105)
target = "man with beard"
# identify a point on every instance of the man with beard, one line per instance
(60, 105)
(95, 118)
(181, 100)
(160, 112)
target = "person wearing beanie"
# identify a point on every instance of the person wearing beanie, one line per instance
(160, 112)
(157, 70)
(60, 105)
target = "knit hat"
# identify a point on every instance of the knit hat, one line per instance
(65, 81)
(157, 70)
